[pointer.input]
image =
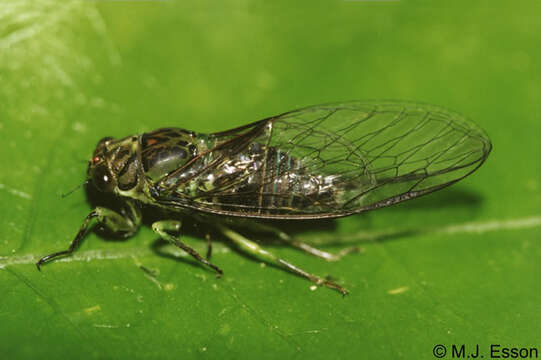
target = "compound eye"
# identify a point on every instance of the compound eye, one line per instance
(102, 179)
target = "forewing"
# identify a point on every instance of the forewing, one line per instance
(358, 155)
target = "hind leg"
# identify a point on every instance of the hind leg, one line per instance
(255, 250)
(285, 238)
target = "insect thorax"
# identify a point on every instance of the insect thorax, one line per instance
(166, 150)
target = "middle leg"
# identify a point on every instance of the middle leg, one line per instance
(165, 227)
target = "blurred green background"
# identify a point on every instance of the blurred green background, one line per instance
(457, 267)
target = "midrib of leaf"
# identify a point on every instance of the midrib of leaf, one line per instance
(364, 237)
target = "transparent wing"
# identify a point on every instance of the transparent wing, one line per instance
(336, 159)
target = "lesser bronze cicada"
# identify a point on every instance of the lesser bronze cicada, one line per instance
(324, 161)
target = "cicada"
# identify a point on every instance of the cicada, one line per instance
(323, 161)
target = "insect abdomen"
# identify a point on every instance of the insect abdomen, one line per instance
(272, 177)
(291, 186)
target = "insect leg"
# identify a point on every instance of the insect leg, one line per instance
(164, 227)
(304, 246)
(254, 249)
(125, 224)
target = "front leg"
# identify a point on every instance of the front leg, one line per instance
(164, 228)
(125, 224)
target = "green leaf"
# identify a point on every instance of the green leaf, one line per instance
(457, 267)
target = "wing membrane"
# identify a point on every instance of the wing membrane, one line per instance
(334, 160)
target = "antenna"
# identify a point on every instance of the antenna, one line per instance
(75, 188)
